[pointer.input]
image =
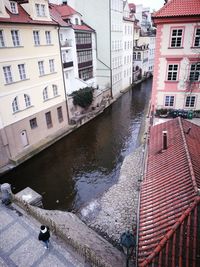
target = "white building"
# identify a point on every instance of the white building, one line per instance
(106, 18)
(128, 29)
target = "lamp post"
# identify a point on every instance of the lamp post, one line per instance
(127, 240)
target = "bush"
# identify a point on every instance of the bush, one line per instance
(83, 97)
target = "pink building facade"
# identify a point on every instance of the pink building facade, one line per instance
(176, 83)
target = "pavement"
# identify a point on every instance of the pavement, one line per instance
(19, 244)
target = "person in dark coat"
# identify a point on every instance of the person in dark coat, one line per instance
(44, 235)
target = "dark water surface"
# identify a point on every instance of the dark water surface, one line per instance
(84, 164)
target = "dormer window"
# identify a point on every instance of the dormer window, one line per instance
(40, 10)
(76, 21)
(13, 7)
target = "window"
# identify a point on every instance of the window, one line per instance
(41, 67)
(22, 72)
(197, 38)
(51, 65)
(176, 38)
(13, 7)
(27, 100)
(36, 37)
(190, 101)
(2, 43)
(172, 72)
(134, 56)
(83, 38)
(76, 21)
(86, 74)
(45, 94)
(7, 74)
(138, 56)
(169, 101)
(15, 106)
(55, 89)
(48, 37)
(84, 56)
(194, 72)
(15, 37)
(60, 115)
(40, 10)
(48, 119)
(33, 123)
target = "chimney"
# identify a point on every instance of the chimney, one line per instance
(164, 139)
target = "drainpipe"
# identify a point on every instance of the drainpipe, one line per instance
(111, 84)
(63, 75)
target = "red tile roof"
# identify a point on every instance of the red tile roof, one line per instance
(176, 8)
(82, 27)
(23, 17)
(170, 201)
(65, 11)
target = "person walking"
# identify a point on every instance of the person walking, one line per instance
(44, 235)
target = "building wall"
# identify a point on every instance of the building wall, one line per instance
(183, 57)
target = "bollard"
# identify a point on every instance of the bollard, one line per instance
(6, 193)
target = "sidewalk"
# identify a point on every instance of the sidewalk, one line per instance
(19, 244)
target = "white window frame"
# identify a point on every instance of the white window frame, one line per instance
(8, 74)
(48, 37)
(22, 71)
(45, 94)
(36, 37)
(55, 90)
(41, 67)
(2, 39)
(51, 65)
(42, 10)
(13, 7)
(190, 101)
(27, 100)
(15, 105)
(37, 8)
(194, 72)
(176, 37)
(169, 100)
(15, 37)
(172, 72)
(197, 37)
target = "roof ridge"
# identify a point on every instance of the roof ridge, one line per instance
(188, 156)
(169, 234)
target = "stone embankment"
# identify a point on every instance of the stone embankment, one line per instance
(116, 211)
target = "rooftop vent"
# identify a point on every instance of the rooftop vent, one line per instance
(164, 139)
(64, 2)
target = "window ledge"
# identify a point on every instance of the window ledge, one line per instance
(17, 46)
(179, 47)
(17, 81)
(171, 81)
(20, 110)
(41, 45)
(50, 98)
(195, 47)
(46, 74)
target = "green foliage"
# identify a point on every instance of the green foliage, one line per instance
(83, 97)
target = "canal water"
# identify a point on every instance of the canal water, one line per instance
(81, 166)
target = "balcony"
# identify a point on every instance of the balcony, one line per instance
(85, 64)
(68, 64)
(66, 43)
(83, 46)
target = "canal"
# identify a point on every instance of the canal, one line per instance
(85, 163)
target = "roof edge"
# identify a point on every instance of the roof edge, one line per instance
(171, 232)
(188, 157)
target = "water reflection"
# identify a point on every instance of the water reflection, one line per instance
(87, 162)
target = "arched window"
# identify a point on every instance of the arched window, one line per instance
(138, 56)
(55, 89)
(134, 56)
(15, 106)
(27, 100)
(45, 93)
